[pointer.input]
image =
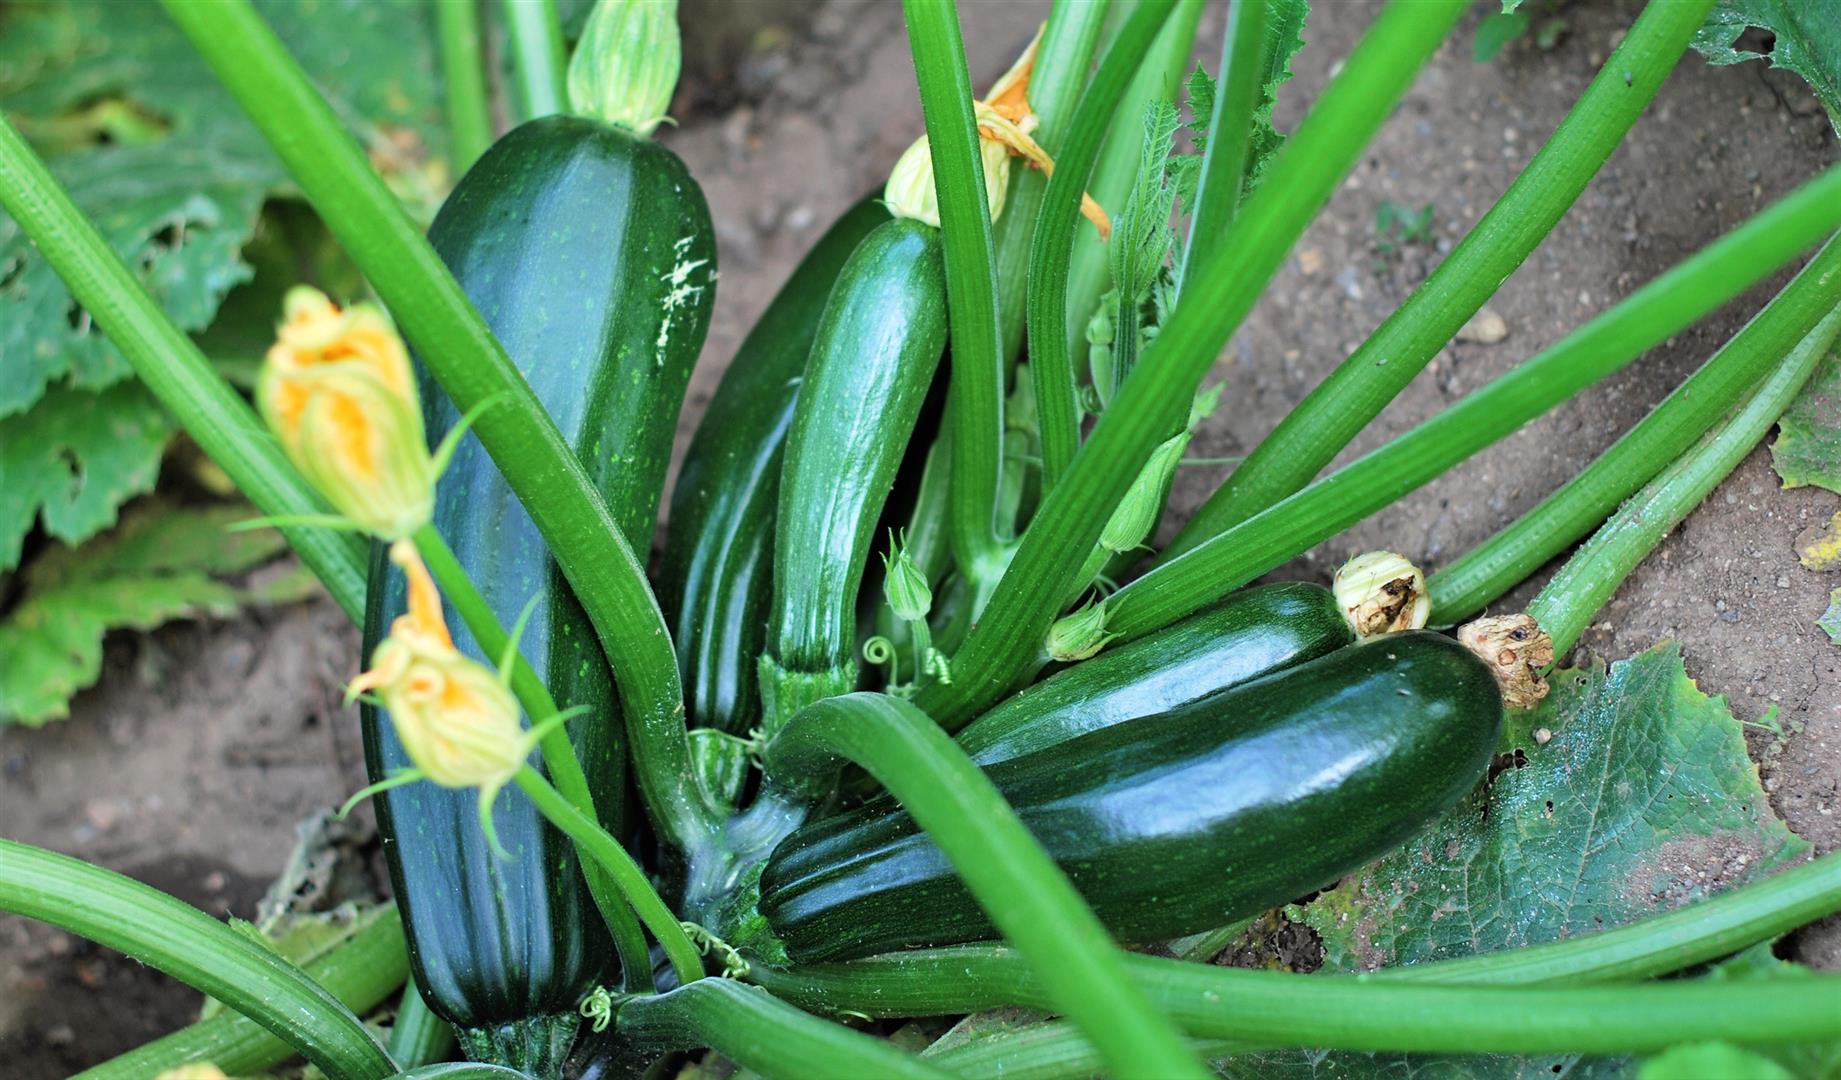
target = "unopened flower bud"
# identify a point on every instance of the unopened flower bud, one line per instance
(456, 719)
(1382, 593)
(337, 391)
(1136, 515)
(903, 584)
(625, 67)
(1079, 634)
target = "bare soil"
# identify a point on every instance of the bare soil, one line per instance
(191, 763)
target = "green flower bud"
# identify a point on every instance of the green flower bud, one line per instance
(625, 67)
(1079, 634)
(1136, 515)
(903, 584)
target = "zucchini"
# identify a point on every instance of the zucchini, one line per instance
(716, 575)
(1175, 823)
(1251, 633)
(872, 361)
(591, 255)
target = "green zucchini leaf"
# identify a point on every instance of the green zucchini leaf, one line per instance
(1807, 450)
(1711, 1061)
(1814, 1059)
(1831, 619)
(1807, 41)
(163, 562)
(1626, 793)
(74, 459)
(160, 159)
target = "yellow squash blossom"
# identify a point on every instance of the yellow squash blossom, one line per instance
(455, 717)
(1005, 123)
(337, 390)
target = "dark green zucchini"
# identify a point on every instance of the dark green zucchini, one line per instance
(878, 344)
(716, 577)
(1175, 823)
(1251, 633)
(591, 255)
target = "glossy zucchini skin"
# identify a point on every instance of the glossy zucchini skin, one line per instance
(1252, 633)
(1176, 823)
(716, 575)
(572, 239)
(872, 360)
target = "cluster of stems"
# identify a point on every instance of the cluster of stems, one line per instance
(1127, 1014)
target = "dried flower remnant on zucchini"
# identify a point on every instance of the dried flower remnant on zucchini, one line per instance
(1517, 650)
(1382, 593)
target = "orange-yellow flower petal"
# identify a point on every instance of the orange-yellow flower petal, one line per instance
(456, 719)
(338, 392)
(1005, 120)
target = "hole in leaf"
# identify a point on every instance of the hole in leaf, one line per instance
(102, 120)
(11, 270)
(78, 318)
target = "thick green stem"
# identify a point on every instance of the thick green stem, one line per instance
(539, 57)
(1499, 563)
(1337, 410)
(219, 420)
(1220, 293)
(976, 392)
(1269, 1009)
(559, 757)
(1158, 79)
(472, 367)
(763, 1035)
(1569, 602)
(1051, 364)
(1230, 134)
(463, 70)
(361, 972)
(628, 876)
(1026, 895)
(1712, 277)
(1062, 60)
(183, 942)
(417, 1036)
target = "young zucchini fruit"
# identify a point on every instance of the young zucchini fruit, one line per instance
(872, 361)
(716, 578)
(1175, 823)
(591, 255)
(1252, 633)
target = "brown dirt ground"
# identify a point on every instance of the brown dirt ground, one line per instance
(190, 764)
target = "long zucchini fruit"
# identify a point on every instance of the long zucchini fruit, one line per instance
(1252, 633)
(716, 577)
(874, 356)
(1175, 823)
(591, 254)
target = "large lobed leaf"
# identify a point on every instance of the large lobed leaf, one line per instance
(1640, 799)
(162, 563)
(162, 161)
